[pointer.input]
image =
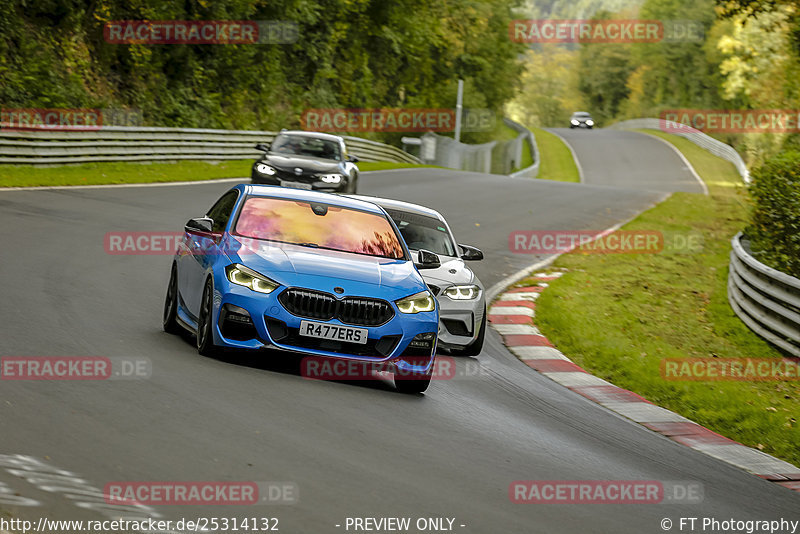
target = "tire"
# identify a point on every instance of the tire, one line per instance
(416, 384)
(170, 316)
(205, 338)
(475, 348)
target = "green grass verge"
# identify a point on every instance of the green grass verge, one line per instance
(131, 173)
(557, 162)
(120, 173)
(527, 157)
(618, 316)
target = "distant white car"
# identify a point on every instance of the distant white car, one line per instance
(462, 302)
(581, 119)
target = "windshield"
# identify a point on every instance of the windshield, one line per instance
(319, 225)
(303, 145)
(423, 232)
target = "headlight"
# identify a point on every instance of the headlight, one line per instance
(469, 292)
(574, 121)
(331, 178)
(242, 276)
(590, 122)
(421, 302)
(265, 169)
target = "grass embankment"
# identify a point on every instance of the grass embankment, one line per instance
(557, 162)
(503, 133)
(133, 173)
(618, 316)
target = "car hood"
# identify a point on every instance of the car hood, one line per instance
(452, 271)
(289, 163)
(296, 266)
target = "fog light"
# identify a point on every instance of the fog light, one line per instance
(238, 318)
(423, 341)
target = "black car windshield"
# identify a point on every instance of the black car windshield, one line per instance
(304, 145)
(423, 232)
(319, 225)
(581, 114)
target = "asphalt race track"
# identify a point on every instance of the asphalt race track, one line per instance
(353, 450)
(640, 161)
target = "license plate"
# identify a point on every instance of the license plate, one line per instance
(335, 332)
(295, 185)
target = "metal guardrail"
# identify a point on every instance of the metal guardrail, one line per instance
(718, 148)
(118, 143)
(525, 135)
(447, 152)
(766, 300)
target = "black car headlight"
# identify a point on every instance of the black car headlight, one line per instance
(263, 168)
(574, 122)
(242, 276)
(463, 292)
(421, 302)
(589, 122)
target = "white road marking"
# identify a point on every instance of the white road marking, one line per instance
(521, 295)
(576, 379)
(511, 310)
(513, 329)
(538, 353)
(643, 412)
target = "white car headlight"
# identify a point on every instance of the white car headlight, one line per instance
(331, 178)
(467, 292)
(574, 122)
(263, 168)
(242, 276)
(590, 122)
(421, 302)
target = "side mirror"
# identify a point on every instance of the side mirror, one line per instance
(262, 147)
(353, 159)
(427, 260)
(469, 253)
(201, 224)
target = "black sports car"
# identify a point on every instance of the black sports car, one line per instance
(307, 160)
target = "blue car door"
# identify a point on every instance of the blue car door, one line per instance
(200, 251)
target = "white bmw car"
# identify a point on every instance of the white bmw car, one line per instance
(462, 303)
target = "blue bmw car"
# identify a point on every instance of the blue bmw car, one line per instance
(309, 272)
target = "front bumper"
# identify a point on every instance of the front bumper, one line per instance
(317, 185)
(271, 326)
(459, 321)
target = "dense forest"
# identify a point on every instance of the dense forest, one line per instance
(349, 53)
